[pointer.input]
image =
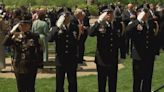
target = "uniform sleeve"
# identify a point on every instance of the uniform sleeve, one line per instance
(132, 25)
(52, 34)
(94, 29)
(7, 40)
(39, 51)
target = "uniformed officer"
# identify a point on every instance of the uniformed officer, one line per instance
(161, 23)
(106, 58)
(121, 32)
(144, 50)
(27, 54)
(65, 36)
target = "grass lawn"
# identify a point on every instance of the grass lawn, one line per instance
(89, 83)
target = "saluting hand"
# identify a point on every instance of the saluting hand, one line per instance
(102, 17)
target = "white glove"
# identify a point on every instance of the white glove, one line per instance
(140, 16)
(101, 17)
(1, 11)
(60, 21)
(14, 28)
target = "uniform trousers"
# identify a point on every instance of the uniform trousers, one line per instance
(107, 74)
(71, 76)
(122, 48)
(81, 46)
(142, 74)
(26, 82)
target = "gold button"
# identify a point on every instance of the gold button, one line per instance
(111, 45)
(111, 39)
(23, 49)
(66, 46)
(67, 36)
(147, 47)
(147, 36)
(23, 55)
(67, 41)
(147, 42)
(66, 51)
(111, 50)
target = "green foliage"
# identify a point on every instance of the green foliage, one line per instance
(71, 3)
(90, 46)
(92, 8)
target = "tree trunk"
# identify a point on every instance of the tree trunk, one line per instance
(90, 2)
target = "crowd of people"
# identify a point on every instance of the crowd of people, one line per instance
(120, 31)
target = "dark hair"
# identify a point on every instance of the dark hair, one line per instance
(26, 18)
(64, 10)
(41, 15)
(17, 13)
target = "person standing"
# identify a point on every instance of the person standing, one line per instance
(2, 48)
(128, 16)
(27, 54)
(40, 26)
(121, 32)
(144, 50)
(82, 21)
(4, 28)
(106, 58)
(65, 35)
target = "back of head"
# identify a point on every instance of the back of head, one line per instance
(41, 15)
(130, 6)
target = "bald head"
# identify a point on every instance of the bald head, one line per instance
(130, 6)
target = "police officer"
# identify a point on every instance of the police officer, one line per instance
(106, 59)
(65, 36)
(144, 50)
(27, 54)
